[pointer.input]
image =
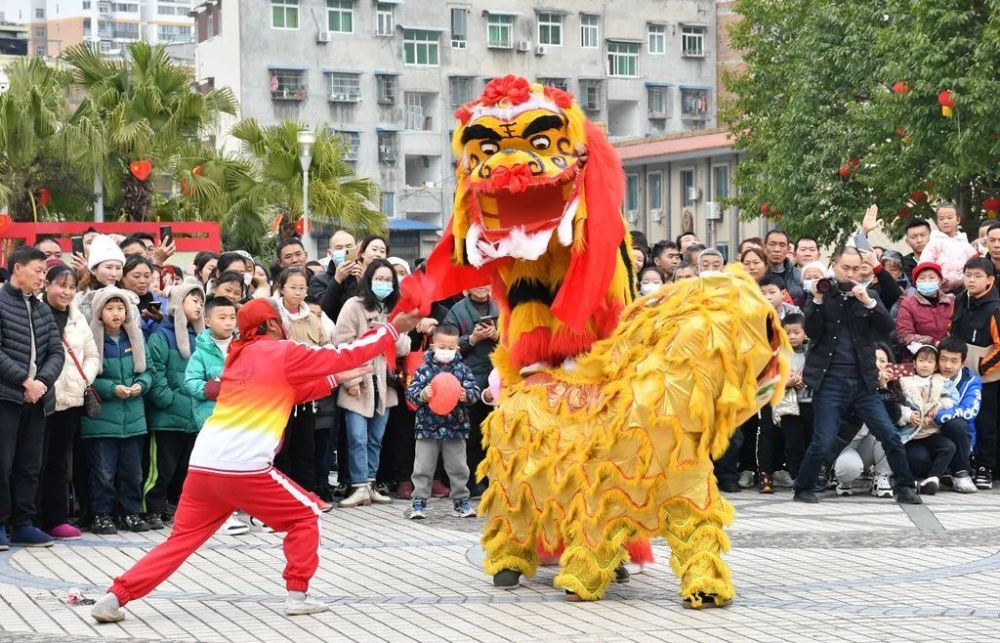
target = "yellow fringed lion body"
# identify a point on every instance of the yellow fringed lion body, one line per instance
(621, 446)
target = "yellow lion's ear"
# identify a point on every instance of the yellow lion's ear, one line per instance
(456, 144)
(575, 124)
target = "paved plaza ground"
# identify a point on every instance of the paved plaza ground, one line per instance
(856, 569)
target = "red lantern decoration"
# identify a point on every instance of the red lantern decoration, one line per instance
(44, 197)
(855, 161)
(844, 171)
(992, 205)
(918, 196)
(904, 212)
(947, 102)
(186, 190)
(5, 222)
(197, 170)
(300, 226)
(776, 214)
(900, 87)
(141, 169)
(765, 208)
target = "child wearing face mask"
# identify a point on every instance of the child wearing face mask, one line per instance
(924, 315)
(650, 280)
(437, 434)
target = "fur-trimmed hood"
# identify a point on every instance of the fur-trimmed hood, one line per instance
(175, 310)
(131, 328)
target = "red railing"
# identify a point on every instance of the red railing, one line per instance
(188, 236)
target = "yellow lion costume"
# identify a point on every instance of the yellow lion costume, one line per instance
(605, 430)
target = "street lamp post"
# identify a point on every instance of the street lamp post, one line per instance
(306, 140)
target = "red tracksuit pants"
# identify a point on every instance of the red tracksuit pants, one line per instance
(206, 501)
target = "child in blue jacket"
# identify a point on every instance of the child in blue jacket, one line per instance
(442, 435)
(958, 422)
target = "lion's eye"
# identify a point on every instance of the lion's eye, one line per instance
(541, 142)
(489, 147)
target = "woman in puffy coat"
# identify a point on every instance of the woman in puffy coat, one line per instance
(924, 315)
(81, 367)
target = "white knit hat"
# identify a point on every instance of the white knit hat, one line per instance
(396, 261)
(132, 329)
(102, 249)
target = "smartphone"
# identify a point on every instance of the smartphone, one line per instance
(488, 320)
(861, 242)
(154, 306)
(166, 232)
(77, 243)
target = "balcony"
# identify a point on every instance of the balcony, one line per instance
(288, 84)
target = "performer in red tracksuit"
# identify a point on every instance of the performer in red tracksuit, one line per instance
(231, 463)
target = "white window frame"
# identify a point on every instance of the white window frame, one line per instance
(664, 93)
(454, 96)
(456, 41)
(388, 89)
(693, 41)
(343, 87)
(431, 40)
(586, 88)
(504, 24)
(717, 197)
(388, 148)
(658, 203)
(385, 19)
(389, 198)
(287, 74)
(553, 22)
(353, 142)
(686, 201)
(341, 8)
(656, 33)
(618, 58)
(288, 7)
(590, 33)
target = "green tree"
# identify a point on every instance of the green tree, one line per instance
(839, 107)
(142, 108)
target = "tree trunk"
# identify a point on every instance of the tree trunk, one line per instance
(136, 198)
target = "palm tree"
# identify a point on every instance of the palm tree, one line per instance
(139, 109)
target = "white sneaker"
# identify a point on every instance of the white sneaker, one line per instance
(963, 483)
(234, 527)
(299, 603)
(107, 609)
(376, 497)
(930, 486)
(845, 489)
(360, 496)
(881, 486)
(782, 479)
(746, 479)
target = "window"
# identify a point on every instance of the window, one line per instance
(389, 204)
(589, 36)
(343, 87)
(40, 13)
(693, 42)
(285, 14)
(500, 31)
(632, 193)
(460, 88)
(591, 95)
(558, 83)
(125, 30)
(418, 110)
(720, 182)
(654, 186)
(288, 84)
(657, 98)
(86, 4)
(459, 33)
(550, 29)
(41, 52)
(386, 89)
(623, 59)
(420, 47)
(694, 102)
(340, 15)
(687, 188)
(387, 148)
(173, 33)
(657, 40)
(40, 32)
(352, 144)
(384, 20)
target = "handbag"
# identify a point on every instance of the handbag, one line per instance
(91, 400)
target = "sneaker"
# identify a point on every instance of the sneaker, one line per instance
(234, 527)
(845, 489)
(463, 509)
(730, 486)
(404, 490)
(107, 609)
(765, 485)
(622, 575)
(30, 536)
(134, 523)
(746, 479)
(881, 486)
(4, 541)
(962, 482)
(65, 531)
(947, 481)
(782, 479)
(806, 496)
(153, 519)
(930, 486)
(476, 490)
(417, 511)
(908, 496)
(104, 525)
(984, 478)
(377, 496)
(439, 490)
(300, 603)
(360, 496)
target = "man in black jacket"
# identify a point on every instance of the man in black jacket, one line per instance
(31, 358)
(840, 368)
(339, 282)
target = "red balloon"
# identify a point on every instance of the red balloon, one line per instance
(446, 391)
(141, 169)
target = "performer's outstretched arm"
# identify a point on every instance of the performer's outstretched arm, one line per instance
(306, 364)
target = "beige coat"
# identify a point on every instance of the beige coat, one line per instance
(353, 322)
(926, 396)
(303, 327)
(71, 385)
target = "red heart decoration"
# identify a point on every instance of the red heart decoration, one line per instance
(44, 197)
(141, 169)
(4, 222)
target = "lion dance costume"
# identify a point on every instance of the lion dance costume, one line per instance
(611, 411)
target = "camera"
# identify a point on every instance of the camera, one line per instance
(826, 285)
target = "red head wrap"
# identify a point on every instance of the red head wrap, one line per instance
(248, 320)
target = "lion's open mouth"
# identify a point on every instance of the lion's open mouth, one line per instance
(516, 218)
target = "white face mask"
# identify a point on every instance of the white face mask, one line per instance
(444, 355)
(648, 289)
(338, 256)
(247, 278)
